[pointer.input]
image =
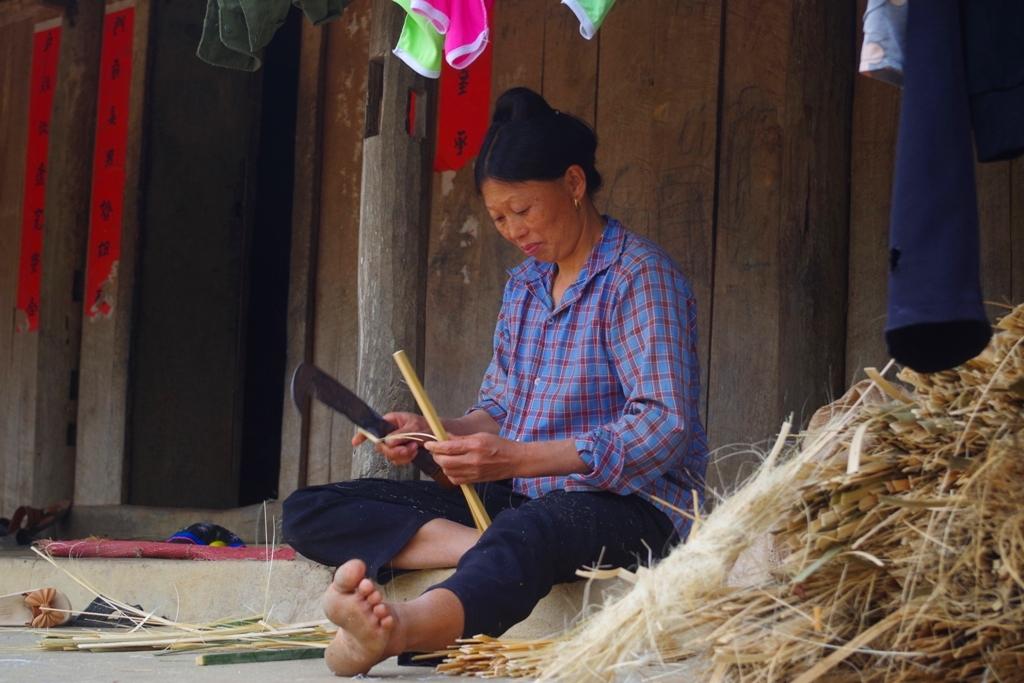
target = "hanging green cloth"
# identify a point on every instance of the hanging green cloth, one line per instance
(591, 14)
(236, 31)
(420, 46)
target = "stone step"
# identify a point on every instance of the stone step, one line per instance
(289, 591)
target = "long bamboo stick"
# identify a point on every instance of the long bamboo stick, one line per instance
(259, 656)
(476, 507)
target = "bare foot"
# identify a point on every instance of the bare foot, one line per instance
(368, 630)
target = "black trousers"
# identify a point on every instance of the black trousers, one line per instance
(532, 544)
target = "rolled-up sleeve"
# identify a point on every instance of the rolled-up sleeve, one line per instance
(651, 341)
(493, 389)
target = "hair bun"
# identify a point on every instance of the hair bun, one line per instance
(528, 140)
(518, 104)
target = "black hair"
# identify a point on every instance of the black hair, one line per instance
(528, 140)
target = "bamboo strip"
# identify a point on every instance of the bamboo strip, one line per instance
(476, 507)
(259, 656)
(191, 638)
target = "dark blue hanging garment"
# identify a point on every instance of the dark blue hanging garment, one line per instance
(936, 319)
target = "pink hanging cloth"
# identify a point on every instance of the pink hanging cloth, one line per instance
(463, 23)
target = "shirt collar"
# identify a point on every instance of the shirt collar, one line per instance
(604, 254)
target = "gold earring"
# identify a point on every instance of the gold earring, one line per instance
(576, 203)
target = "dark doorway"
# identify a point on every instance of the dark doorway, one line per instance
(267, 310)
(209, 330)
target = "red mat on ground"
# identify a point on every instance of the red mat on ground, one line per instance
(162, 551)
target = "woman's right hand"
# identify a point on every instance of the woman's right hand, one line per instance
(399, 452)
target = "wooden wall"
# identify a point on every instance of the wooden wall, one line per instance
(39, 368)
(164, 373)
(724, 136)
(15, 62)
(732, 132)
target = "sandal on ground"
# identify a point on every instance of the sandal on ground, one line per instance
(27, 522)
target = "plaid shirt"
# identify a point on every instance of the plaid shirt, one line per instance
(613, 366)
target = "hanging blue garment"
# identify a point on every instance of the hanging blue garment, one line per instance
(993, 39)
(936, 318)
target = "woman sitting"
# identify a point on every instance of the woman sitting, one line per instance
(586, 442)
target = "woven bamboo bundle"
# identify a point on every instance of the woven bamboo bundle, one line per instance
(899, 519)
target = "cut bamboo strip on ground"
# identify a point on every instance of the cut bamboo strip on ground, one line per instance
(259, 656)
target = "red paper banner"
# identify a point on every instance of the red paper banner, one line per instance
(42, 84)
(108, 168)
(462, 110)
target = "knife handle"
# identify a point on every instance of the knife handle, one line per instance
(425, 462)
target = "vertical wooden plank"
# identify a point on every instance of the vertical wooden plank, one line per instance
(994, 197)
(106, 340)
(873, 155)
(569, 80)
(15, 68)
(780, 255)
(468, 258)
(744, 372)
(1017, 229)
(69, 171)
(657, 133)
(305, 224)
(336, 335)
(394, 223)
(814, 235)
(876, 108)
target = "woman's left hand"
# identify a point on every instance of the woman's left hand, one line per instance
(476, 457)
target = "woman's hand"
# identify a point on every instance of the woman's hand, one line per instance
(399, 452)
(477, 457)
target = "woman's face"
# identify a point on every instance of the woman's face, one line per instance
(538, 216)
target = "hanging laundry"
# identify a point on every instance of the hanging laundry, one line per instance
(420, 45)
(236, 31)
(591, 14)
(885, 28)
(993, 47)
(463, 23)
(993, 38)
(936, 319)
(963, 70)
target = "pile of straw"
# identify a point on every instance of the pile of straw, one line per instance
(899, 517)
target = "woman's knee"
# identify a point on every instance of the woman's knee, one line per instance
(293, 521)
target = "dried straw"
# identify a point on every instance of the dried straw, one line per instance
(900, 516)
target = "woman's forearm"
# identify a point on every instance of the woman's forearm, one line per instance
(473, 423)
(549, 459)
(484, 456)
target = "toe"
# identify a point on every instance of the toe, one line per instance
(365, 588)
(374, 598)
(350, 575)
(381, 611)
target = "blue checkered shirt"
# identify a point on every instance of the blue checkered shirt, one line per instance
(613, 366)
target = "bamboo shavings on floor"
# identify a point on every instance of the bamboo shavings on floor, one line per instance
(900, 516)
(249, 634)
(166, 636)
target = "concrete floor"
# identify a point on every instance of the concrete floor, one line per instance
(20, 662)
